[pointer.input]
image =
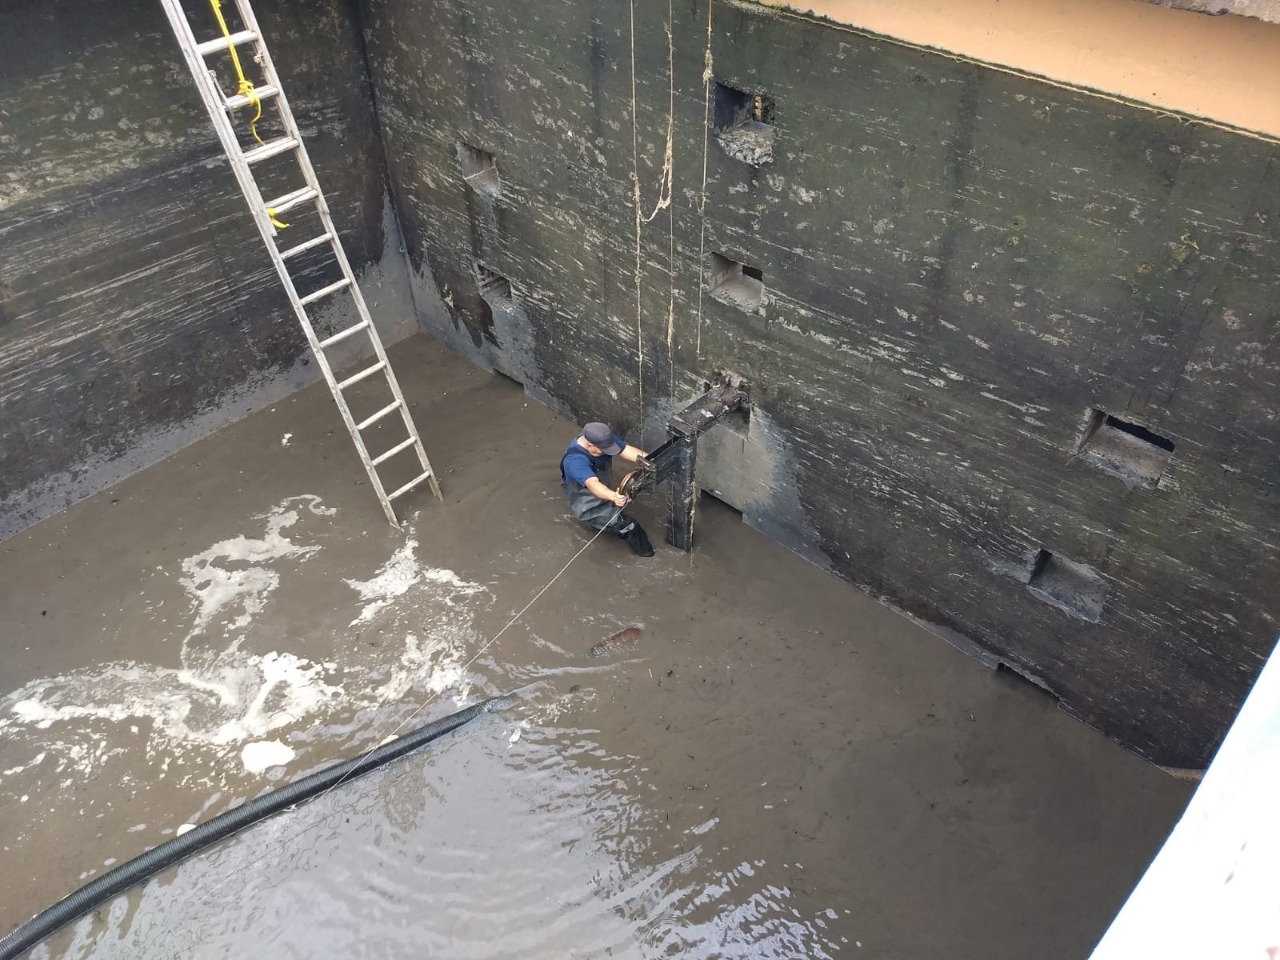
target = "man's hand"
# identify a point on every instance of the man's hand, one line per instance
(602, 490)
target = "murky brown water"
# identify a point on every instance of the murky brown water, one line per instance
(545, 847)
(776, 767)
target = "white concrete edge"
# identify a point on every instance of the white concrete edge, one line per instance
(1213, 890)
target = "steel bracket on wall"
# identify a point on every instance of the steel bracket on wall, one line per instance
(675, 461)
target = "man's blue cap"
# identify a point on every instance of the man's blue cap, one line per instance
(601, 435)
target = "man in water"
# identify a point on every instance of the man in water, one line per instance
(586, 469)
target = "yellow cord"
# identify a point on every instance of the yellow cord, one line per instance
(246, 85)
(275, 221)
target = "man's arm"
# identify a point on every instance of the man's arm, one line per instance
(631, 454)
(601, 490)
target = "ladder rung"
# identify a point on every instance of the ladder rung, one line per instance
(410, 485)
(223, 43)
(272, 149)
(342, 335)
(291, 200)
(325, 291)
(305, 246)
(361, 375)
(389, 408)
(264, 92)
(402, 445)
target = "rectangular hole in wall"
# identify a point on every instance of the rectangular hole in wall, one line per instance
(743, 124)
(494, 287)
(479, 170)
(712, 500)
(1133, 453)
(736, 284)
(1074, 588)
(507, 382)
(1015, 677)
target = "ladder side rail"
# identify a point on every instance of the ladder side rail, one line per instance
(326, 369)
(226, 133)
(362, 308)
(272, 77)
(212, 98)
(223, 124)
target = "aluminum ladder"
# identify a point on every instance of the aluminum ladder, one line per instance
(221, 109)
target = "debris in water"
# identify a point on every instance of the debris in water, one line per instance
(622, 640)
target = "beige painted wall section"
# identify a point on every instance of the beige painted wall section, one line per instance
(1226, 69)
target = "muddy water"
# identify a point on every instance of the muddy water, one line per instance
(488, 848)
(776, 767)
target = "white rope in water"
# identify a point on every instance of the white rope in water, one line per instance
(418, 710)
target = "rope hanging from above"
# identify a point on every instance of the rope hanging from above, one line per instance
(665, 189)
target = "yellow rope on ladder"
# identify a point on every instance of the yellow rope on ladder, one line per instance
(245, 87)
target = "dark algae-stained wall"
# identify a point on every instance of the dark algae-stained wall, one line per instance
(1012, 347)
(137, 304)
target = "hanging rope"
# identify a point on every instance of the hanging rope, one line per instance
(671, 214)
(708, 75)
(245, 86)
(663, 201)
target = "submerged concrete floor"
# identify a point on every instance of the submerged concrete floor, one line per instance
(779, 767)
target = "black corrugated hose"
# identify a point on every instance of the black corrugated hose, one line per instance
(117, 881)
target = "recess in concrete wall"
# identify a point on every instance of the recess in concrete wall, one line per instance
(1074, 588)
(1133, 453)
(479, 170)
(939, 271)
(744, 124)
(736, 284)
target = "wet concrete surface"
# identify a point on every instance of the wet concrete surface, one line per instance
(777, 767)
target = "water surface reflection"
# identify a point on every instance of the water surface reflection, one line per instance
(514, 837)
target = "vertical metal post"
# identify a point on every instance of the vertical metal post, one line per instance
(684, 492)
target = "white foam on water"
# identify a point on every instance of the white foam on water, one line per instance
(260, 755)
(217, 697)
(221, 699)
(434, 665)
(219, 589)
(447, 578)
(393, 580)
(231, 698)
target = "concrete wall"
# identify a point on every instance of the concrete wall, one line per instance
(137, 307)
(965, 272)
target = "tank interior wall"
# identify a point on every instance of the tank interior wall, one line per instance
(138, 308)
(951, 288)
